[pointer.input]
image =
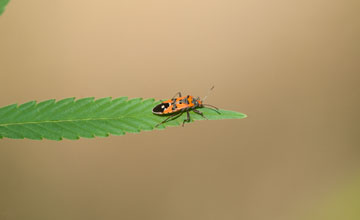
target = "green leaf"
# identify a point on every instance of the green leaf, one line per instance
(3, 3)
(87, 117)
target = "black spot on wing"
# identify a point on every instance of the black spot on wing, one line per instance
(160, 108)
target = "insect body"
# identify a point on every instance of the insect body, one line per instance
(174, 107)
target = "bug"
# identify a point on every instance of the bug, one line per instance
(175, 107)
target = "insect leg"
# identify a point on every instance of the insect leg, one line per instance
(200, 113)
(170, 117)
(179, 94)
(187, 119)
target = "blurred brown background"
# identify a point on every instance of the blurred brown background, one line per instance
(292, 66)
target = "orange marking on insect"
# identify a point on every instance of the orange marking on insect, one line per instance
(180, 105)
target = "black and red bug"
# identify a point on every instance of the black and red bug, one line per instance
(174, 107)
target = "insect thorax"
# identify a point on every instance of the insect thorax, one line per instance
(197, 102)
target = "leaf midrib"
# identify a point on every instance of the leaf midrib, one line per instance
(70, 120)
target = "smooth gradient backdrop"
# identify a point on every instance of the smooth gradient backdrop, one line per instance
(292, 66)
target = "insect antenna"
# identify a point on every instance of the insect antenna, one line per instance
(208, 93)
(212, 108)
